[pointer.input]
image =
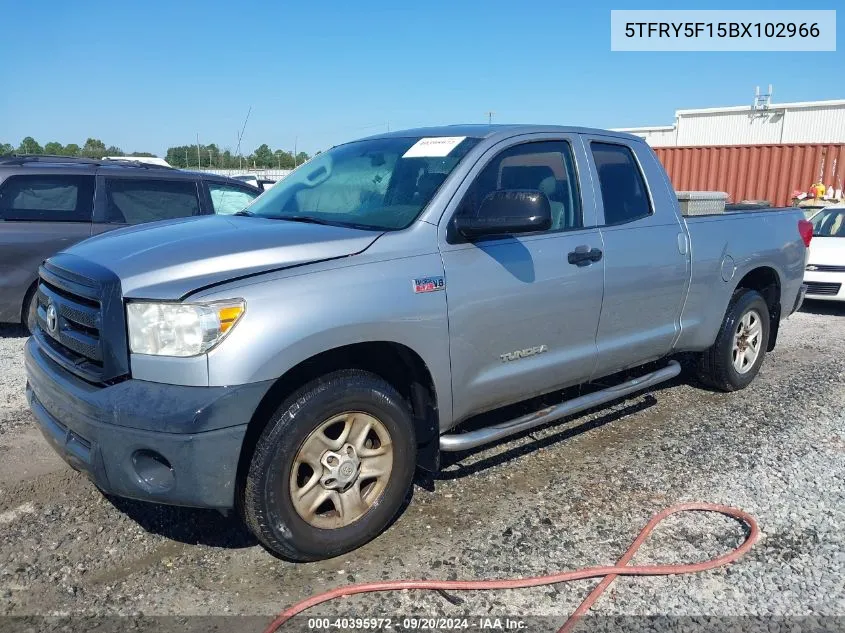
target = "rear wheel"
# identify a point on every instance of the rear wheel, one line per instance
(735, 358)
(332, 468)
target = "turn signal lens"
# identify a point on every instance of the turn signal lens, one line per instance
(229, 315)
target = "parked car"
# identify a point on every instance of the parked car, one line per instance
(299, 360)
(262, 183)
(48, 203)
(825, 272)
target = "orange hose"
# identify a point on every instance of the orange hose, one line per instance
(609, 573)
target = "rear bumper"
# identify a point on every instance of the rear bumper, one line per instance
(155, 442)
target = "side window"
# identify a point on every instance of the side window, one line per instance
(229, 199)
(139, 200)
(547, 166)
(47, 198)
(622, 186)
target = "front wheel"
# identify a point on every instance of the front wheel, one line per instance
(735, 358)
(29, 313)
(332, 468)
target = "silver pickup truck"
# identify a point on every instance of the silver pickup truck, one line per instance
(298, 361)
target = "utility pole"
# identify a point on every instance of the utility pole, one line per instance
(199, 156)
(209, 158)
(186, 157)
(295, 140)
(490, 117)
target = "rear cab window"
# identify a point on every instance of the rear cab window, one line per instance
(47, 198)
(141, 200)
(623, 190)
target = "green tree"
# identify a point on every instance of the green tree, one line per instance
(263, 156)
(146, 154)
(30, 146)
(111, 150)
(54, 148)
(6, 148)
(176, 156)
(71, 149)
(94, 148)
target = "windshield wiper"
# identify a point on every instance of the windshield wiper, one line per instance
(308, 219)
(244, 212)
(302, 218)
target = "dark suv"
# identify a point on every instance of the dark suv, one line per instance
(48, 203)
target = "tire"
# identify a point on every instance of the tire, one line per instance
(304, 421)
(29, 317)
(718, 365)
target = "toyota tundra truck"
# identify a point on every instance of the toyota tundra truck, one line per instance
(296, 362)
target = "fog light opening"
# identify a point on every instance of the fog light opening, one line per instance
(154, 472)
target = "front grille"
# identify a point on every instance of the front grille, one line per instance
(825, 268)
(826, 289)
(80, 321)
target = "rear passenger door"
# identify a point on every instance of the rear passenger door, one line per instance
(646, 268)
(40, 214)
(522, 319)
(128, 200)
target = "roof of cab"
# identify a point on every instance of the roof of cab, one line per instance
(484, 130)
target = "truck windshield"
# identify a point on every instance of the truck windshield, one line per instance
(378, 184)
(829, 223)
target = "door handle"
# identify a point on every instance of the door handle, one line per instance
(584, 255)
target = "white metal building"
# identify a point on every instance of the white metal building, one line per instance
(800, 122)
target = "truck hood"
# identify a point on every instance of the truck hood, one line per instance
(167, 260)
(827, 251)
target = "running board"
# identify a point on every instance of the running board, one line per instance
(473, 439)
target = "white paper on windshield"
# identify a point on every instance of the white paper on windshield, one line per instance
(433, 146)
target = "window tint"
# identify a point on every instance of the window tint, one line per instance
(228, 199)
(47, 198)
(546, 166)
(135, 201)
(622, 186)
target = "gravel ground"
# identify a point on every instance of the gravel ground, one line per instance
(570, 495)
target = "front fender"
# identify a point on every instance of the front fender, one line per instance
(293, 318)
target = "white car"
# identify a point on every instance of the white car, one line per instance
(262, 183)
(825, 272)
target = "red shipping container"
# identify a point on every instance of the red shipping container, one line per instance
(754, 172)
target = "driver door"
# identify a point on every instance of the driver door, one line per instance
(522, 319)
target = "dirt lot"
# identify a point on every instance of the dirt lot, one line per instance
(573, 494)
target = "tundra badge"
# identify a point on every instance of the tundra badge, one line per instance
(524, 353)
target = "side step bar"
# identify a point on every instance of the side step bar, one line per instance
(473, 439)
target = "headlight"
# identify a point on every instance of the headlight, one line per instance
(180, 329)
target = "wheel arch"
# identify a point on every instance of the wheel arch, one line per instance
(767, 281)
(396, 363)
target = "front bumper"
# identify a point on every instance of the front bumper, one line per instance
(825, 286)
(144, 440)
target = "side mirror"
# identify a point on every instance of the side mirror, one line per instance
(508, 211)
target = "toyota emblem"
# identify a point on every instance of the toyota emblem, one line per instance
(52, 318)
